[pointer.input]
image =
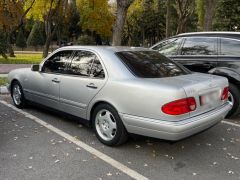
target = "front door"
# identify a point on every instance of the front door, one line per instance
(43, 86)
(84, 80)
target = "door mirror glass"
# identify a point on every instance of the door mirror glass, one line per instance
(35, 67)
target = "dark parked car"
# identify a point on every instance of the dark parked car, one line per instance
(208, 52)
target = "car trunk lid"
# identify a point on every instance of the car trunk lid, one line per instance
(206, 89)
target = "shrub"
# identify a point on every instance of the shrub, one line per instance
(85, 40)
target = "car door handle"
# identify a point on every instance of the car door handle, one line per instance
(55, 80)
(91, 85)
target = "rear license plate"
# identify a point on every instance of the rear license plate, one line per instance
(210, 98)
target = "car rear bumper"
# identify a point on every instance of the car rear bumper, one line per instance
(174, 130)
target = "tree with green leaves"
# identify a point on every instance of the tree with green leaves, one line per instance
(12, 16)
(96, 17)
(227, 15)
(21, 40)
(36, 37)
(145, 23)
(51, 13)
(3, 44)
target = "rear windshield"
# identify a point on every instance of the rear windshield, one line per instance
(150, 64)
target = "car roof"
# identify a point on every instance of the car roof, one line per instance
(105, 48)
(210, 33)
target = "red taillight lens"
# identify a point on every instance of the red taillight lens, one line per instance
(180, 106)
(225, 93)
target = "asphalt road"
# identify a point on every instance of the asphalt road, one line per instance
(29, 150)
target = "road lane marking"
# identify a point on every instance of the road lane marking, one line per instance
(90, 149)
(231, 123)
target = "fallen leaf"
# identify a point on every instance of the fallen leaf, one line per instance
(15, 138)
(137, 146)
(109, 174)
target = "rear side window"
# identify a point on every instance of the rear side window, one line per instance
(150, 64)
(199, 46)
(230, 47)
(168, 47)
(97, 69)
(82, 63)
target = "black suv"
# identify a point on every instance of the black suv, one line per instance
(208, 52)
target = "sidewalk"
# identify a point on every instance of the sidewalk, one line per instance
(6, 68)
(3, 90)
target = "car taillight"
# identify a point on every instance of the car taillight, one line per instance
(225, 93)
(180, 106)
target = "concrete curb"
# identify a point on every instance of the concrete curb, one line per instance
(3, 90)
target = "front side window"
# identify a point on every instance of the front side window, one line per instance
(58, 63)
(168, 47)
(82, 63)
(230, 47)
(199, 46)
(150, 64)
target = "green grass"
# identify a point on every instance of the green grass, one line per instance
(3, 80)
(22, 59)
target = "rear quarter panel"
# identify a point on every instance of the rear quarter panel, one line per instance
(139, 98)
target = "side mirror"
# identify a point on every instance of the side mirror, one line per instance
(35, 67)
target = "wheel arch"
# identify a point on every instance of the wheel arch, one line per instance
(232, 76)
(94, 105)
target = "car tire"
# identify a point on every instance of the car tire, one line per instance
(108, 126)
(17, 95)
(234, 97)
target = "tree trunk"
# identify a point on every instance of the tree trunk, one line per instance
(9, 45)
(143, 37)
(46, 46)
(209, 14)
(10, 51)
(122, 7)
(168, 18)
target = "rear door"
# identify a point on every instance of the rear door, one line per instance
(229, 55)
(84, 80)
(199, 54)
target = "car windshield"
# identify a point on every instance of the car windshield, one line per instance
(150, 64)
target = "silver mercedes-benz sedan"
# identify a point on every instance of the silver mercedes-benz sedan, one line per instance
(121, 90)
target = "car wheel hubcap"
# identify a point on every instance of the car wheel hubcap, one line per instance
(106, 125)
(17, 95)
(230, 98)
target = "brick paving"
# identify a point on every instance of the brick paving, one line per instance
(6, 68)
